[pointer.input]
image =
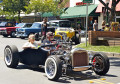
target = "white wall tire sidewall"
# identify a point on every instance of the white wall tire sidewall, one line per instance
(51, 77)
(8, 63)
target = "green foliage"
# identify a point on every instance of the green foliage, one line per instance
(100, 48)
(46, 6)
(13, 7)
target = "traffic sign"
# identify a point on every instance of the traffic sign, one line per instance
(87, 1)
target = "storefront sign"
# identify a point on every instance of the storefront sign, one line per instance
(87, 1)
(80, 3)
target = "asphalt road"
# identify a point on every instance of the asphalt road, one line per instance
(27, 75)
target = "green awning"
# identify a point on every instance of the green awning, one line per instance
(79, 11)
(49, 14)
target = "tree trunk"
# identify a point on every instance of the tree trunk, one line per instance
(112, 13)
(112, 9)
(19, 19)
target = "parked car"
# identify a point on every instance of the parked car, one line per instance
(39, 34)
(63, 27)
(6, 31)
(25, 32)
(62, 60)
(7, 24)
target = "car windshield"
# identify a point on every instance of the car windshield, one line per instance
(3, 23)
(36, 25)
(56, 24)
(64, 24)
(20, 25)
(61, 24)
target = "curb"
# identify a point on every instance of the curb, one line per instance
(109, 54)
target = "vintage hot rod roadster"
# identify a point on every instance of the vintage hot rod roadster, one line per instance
(60, 61)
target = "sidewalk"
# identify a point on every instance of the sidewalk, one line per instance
(109, 54)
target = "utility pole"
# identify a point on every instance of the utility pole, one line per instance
(87, 1)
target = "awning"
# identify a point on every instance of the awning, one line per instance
(49, 14)
(79, 11)
(99, 8)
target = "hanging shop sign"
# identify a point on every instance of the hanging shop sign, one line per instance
(87, 1)
(80, 3)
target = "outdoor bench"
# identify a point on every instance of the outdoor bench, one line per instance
(107, 38)
(108, 41)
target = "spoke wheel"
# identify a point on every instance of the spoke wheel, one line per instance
(100, 64)
(53, 68)
(11, 56)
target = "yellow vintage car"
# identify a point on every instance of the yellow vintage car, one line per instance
(63, 28)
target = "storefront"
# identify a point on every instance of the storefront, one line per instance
(77, 14)
(100, 9)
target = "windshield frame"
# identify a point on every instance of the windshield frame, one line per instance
(58, 24)
(36, 25)
(20, 25)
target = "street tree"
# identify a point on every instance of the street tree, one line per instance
(46, 6)
(12, 8)
(112, 9)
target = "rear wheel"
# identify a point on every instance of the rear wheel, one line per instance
(77, 39)
(11, 56)
(5, 35)
(37, 37)
(53, 68)
(22, 37)
(100, 64)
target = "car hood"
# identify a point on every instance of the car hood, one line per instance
(12, 27)
(2, 28)
(22, 29)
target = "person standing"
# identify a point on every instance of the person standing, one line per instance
(95, 25)
(44, 29)
(103, 25)
(16, 23)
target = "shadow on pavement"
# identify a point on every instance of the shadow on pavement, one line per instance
(37, 69)
(77, 76)
(114, 61)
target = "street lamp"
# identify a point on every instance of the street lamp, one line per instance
(107, 3)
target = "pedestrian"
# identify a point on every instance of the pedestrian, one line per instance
(44, 29)
(119, 27)
(95, 25)
(79, 28)
(103, 25)
(16, 23)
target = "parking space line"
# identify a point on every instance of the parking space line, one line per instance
(101, 81)
(93, 81)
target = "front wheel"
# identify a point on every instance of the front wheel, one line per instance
(53, 68)
(100, 64)
(11, 56)
(13, 34)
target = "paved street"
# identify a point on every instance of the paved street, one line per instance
(27, 75)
